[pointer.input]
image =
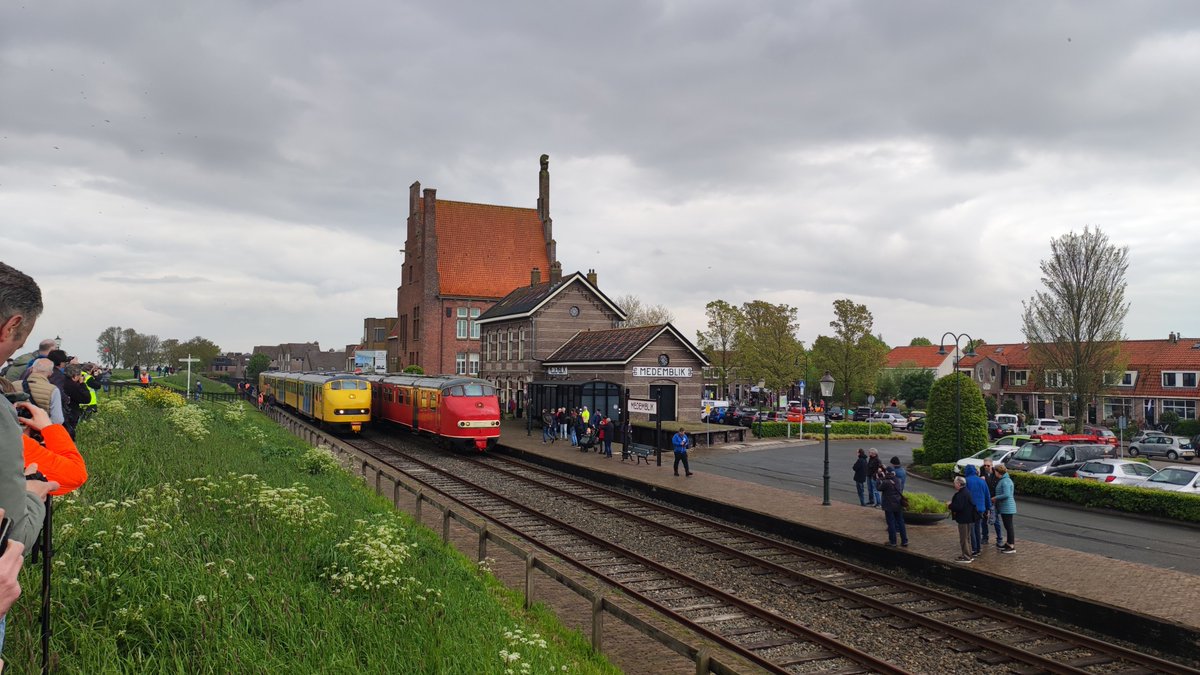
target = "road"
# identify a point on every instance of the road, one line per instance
(799, 467)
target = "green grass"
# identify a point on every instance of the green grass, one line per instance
(207, 540)
(179, 381)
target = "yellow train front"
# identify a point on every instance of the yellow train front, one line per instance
(338, 400)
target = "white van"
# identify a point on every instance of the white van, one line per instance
(1043, 426)
(1008, 423)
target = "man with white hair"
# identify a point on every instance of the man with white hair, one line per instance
(962, 509)
(20, 367)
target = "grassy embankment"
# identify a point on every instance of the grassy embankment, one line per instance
(208, 540)
(179, 381)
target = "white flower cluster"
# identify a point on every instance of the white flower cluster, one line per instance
(234, 413)
(112, 407)
(534, 647)
(292, 505)
(319, 460)
(377, 554)
(191, 420)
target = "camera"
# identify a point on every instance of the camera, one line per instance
(19, 397)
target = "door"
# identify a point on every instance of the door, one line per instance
(664, 394)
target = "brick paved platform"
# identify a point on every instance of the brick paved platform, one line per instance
(1160, 594)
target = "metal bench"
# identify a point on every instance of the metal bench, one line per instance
(638, 452)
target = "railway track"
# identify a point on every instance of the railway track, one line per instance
(755, 628)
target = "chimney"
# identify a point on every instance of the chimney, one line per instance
(1174, 337)
(591, 277)
(535, 276)
(555, 272)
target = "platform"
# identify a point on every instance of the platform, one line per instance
(1159, 594)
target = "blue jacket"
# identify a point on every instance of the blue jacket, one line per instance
(980, 495)
(901, 476)
(680, 441)
(1005, 503)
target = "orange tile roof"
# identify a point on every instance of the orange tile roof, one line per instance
(923, 356)
(486, 251)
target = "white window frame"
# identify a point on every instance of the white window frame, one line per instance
(473, 364)
(1013, 379)
(460, 363)
(474, 314)
(1178, 377)
(521, 345)
(1115, 407)
(1055, 379)
(1184, 407)
(462, 326)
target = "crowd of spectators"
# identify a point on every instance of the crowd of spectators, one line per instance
(46, 398)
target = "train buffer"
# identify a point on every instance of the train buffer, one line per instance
(637, 452)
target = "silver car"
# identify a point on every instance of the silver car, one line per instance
(1115, 471)
(1176, 479)
(1171, 447)
(895, 420)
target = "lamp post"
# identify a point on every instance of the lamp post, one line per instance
(826, 392)
(957, 381)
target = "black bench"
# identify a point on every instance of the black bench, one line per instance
(637, 452)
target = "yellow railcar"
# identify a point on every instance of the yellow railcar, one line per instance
(339, 399)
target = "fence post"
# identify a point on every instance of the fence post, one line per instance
(483, 537)
(396, 492)
(703, 662)
(446, 524)
(378, 480)
(597, 622)
(420, 500)
(529, 560)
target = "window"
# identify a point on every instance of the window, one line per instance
(510, 345)
(402, 331)
(521, 346)
(1018, 378)
(1056, 379)
(473, 363)
(474, 326)
(416, 323)
(1179, 379)
(1185, 408)
(380, 334)
(1118, 407)
(1124, 379)
(463, 328)
(460, 363)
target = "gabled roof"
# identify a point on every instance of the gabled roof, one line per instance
(615, 346)
(485, 251)
(922, 356)
(527, 299)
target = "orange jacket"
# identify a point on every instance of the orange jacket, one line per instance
(58, 458)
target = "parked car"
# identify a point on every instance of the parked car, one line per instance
(1042, 456)
(1044, 425)
(1115, 471)
(1174, 478)
(895, 420)
(862, 413)
(836, 413)
(1143, 435)
(742, 416)
(1104, 433)
(893, 409)
(996, 454)
(815, 417)
(1015, 441)
(915, 415)
(995, 430)
(716, 416)
(917, 425)
(772, 416)
(1171, 447)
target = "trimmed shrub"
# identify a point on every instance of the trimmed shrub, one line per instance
(941, 431)
(1187, 428)
(920, 502)
(942, 471)
(1107, 496)
(780, 429)
(918, 456)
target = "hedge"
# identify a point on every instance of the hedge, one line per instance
(918, 457)
(1097, 495)
(944, 413)
(777, 429)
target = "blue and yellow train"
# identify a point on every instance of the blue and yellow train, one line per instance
(339, 400)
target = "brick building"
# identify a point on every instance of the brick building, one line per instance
(460, 259)
(1159, 375)
(557, 344)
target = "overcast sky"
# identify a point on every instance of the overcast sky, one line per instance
(239, 170)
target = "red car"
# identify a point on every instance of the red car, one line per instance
(1105, 435)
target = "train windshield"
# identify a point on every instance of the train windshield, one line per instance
(479, 390)
(348, 384)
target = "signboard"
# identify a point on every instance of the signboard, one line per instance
(870, 399)
(370, 361)
(641, 405)
(1122, 422)
(557, 370)
(644, 371)
(800, 386)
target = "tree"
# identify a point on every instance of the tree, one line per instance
(639, 314)
(256, 365)
(110, 346)
(718, 341)
(941, 423)
(767, 348)
(914, 388)
(920, 342)
(131, 348)
(1075, 326)
(201, 348)
(989, 402)
(852, 355)
(414, 370)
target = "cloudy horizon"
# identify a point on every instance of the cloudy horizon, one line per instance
(240, 170)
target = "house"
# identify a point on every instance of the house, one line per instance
(923, 357)
(559, 343)
(460, 259)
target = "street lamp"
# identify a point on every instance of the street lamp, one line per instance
(957, 381)
(826, 392)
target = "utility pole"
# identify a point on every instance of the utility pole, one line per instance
(188, 392)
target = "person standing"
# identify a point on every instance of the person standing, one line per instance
(860, 476)
(587, 416)
(606, 432)
(547, 426)
(1006, 505)
(981, 498)
(562, 418)
(680, 443)
(901, 474)
(874, 473)
(106, 379)
(991, 518)
(893, 507)
(199, 389)
(962, 509)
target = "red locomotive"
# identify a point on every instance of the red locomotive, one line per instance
(460, 411)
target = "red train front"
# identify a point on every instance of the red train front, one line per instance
(460, 411)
